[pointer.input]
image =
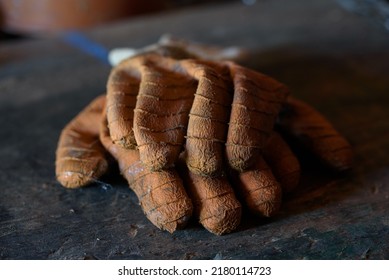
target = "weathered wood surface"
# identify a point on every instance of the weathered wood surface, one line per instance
(336, 61)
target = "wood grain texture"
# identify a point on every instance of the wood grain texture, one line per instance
(335, 61)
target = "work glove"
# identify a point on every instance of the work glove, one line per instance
(195, 135)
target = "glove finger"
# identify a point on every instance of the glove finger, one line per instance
(258, 188)
(122, 90)
(283, 163)
(256, 103)
(314, 131)
(214, 201)
(161, 193)
(208, 118)
(80, 157)
(162, 109)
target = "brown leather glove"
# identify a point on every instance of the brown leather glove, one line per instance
(192, 133)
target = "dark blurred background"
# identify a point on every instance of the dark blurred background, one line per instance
(23, 18)
(26, 18)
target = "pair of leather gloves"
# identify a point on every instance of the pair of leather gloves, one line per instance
(196, 135)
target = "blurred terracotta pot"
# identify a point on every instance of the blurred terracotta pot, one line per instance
(37, 16)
